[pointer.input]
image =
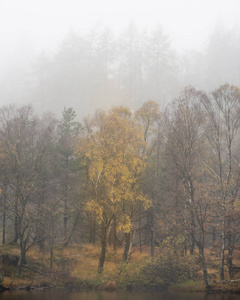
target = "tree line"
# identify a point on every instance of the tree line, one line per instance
(125, 179)
(105, 69)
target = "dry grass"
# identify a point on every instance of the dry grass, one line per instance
(80, 262)
(16, 282)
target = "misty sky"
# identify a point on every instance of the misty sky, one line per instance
(44, 23)
(30, 28)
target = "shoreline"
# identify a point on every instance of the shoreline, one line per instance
(215, 289)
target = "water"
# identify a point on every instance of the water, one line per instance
(63, 295)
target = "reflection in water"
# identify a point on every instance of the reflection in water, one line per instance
(64, 295)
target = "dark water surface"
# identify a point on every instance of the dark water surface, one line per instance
(62, 295)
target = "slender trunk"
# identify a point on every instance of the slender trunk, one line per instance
(127, 237)
(4, 219)
(214, 234)
(23, 251)
(152, 234)
(222, 255)
(110, 237)
(230, 256)
(115, 232)
(16, 223)
(51, 253)
(94, 232)
(65, 219)
(65, 213)
(152, 242)
(17, 218)
(90, 234)
(15, 229)
(1, 268)
(192, 247)
(52, 241)
(22, 258)
(204, 268)
(185, 246)
(20, 263)
(230, 264)
(73, 229)
(103, 248)
(140, 228)
(4, 203)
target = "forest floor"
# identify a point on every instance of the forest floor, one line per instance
(75, 267)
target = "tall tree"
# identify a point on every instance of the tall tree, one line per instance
(160, 67)
(185, 153)
(149, 118)
(111, 153)
(222, 111)
(26, 145)
(69, 130)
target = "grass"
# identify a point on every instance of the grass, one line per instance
(188, 286)
(77, 265)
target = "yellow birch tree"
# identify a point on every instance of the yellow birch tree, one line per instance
(111, 154)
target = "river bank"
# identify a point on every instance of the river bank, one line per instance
(190, 287)
(75, 268)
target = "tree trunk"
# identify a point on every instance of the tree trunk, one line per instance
(22, 258)
(152, 242)
(127, 237)
(185, 246)
(1, 268)
(20, 263)
(230, 256)
(92, 232)
(92, 238)
(4, 203)
(204, 268)
(17, 228)
(65, 220)
(73, 229)
(214, 234)
(23, 251)
(192, 247)
(115, 232)
(103, 248)
(51, 241)
(4, 221)
(51, 253)
(65, 213)
(140, 228)
(152, 235)
(222, 256)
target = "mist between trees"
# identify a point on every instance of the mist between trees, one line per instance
(108, 69)
(125, 179)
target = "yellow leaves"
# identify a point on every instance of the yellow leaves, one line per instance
(125, 224)
(95, 210)
(111, 152)
(88, 155)
(147, 203)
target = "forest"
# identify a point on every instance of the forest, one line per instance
(147, 180)
(100, 69)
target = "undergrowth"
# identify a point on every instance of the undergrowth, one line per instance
(76, 267)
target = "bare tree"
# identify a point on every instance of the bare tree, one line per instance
(222, 111)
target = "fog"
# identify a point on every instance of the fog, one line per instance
(104, 53)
